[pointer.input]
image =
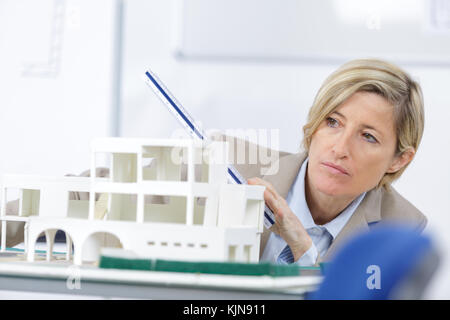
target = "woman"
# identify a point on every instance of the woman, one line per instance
(363, 130)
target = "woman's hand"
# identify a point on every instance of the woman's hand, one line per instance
(287, 225)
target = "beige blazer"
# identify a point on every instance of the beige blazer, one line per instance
(377, 205)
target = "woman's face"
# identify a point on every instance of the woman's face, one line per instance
(353, 147)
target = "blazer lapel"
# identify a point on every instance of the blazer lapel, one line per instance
(368, 211)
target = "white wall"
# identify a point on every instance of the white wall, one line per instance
(426, 183)
(57, 83)
(273, 95)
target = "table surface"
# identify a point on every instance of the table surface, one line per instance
(62, 277)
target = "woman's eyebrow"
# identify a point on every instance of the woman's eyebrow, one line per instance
(365, 126)
(339, 114)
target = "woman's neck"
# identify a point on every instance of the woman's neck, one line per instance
(323, 207)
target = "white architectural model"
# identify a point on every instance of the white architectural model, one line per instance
(200, 218)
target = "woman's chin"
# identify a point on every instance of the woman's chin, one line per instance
(331, 188)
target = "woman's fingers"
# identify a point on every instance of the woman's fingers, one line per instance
(275, 205)
(271, 201)
(287, 225)
(271, 197)
(259, 181)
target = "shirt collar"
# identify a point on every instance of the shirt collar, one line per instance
(297, 202)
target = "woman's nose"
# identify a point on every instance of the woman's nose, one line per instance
(342, 145)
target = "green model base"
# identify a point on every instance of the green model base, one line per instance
(228, 268)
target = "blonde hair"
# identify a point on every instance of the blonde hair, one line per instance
(382, 78)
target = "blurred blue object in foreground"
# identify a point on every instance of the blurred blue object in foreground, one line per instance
(388, 262)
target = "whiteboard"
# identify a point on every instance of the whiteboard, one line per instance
(406, 31)
(59, 82)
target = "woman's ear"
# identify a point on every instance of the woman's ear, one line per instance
(401, 160)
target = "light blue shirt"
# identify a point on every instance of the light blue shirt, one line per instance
(321, 235)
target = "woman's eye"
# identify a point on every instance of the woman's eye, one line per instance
(331, 122)
(370, 138)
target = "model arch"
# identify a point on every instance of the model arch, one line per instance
(90, 250)
(50, 233)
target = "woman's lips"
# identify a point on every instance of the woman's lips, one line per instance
(335, 168)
